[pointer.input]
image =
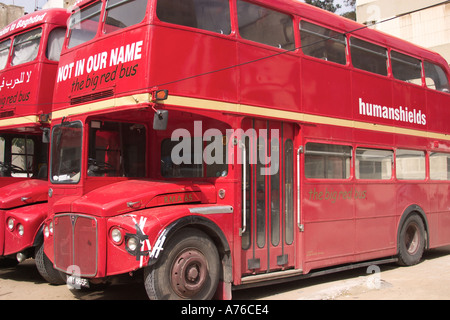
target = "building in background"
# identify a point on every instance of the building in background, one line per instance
(58, 4)
(429, 28)
(9, 13)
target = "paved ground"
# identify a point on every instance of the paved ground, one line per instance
(427, 280)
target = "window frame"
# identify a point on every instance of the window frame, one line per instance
(445, 87)
(8, 48)
(71, 23)
(397, 60)
(227, 32)
(346, 155)
(357, 164)
(113, 6)
(368, 50)
(324, 39)
(291, 17)
(35, 52)
(51, 177)
(433, 173)
(412, 151)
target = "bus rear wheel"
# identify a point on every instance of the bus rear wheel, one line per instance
(188, 269)
(411, 241)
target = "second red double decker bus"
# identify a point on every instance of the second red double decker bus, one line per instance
(227, 143)
(30, 48)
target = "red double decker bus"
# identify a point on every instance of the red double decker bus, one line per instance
(29, 52)
(227, 143)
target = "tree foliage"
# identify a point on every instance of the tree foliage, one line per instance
(332, 6)
(324, 4)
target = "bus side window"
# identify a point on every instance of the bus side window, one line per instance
(55, 43)
(368, 56)
(327, 161)
(26, 47)
(322, 43)
(406, 68)
(374, 164)
(436, 78)
(439, 166)
(22, 155)
(121, 14)
(265, 26)
(4, 53)
(212, 15)
(410, 164)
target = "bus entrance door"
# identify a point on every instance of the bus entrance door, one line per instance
(268, 224)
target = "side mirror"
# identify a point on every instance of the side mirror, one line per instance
(160, 120)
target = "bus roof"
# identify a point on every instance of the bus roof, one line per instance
(54, 16)
(334, 21)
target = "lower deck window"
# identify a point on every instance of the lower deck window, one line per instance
(327, 161)
(374, 164)
(410, 165)
(439, 166)
(193, 157)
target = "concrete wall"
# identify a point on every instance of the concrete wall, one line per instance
(9, 13)
(428, 28)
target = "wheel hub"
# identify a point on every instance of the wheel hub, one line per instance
(412, 239)
(189, 273)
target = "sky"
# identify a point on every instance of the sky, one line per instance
(29, 5)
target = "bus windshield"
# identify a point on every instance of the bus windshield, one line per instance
(66, 153)
(18, 157)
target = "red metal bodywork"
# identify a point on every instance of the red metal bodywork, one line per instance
(227, 79)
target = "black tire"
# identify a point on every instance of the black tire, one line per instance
(188, 269)
(45, 268)
(412, 241)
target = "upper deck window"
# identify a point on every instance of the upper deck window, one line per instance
(406, 68)
(55, 43)
(368, 56)
(123, 13)
(26, 47)
(436, 78)
(322, 43)
(265, 26)
(83, 24)
(4, 53)
(211, 15)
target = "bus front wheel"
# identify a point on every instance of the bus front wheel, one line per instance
(188, 269)
(411, 241)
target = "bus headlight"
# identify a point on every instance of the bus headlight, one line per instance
(116, 235)
(132, 244)
(46, 231)
(20, 230)
(10, 224)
